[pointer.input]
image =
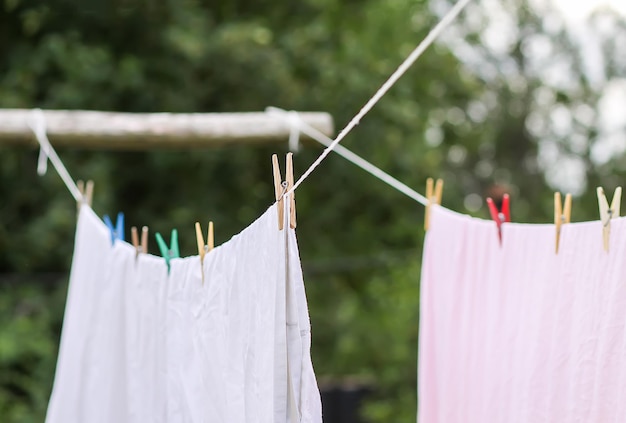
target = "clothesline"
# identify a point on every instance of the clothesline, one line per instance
(348, 155)
(395, 76)
(38, 125)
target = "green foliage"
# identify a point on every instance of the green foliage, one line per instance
(360, 241)
(28, 347)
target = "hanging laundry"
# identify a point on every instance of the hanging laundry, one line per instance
(146, 337)
(141, 344)
(242, 337)
(516, 332)
(303, 383)
(90, 378)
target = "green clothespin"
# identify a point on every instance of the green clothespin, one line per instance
(168, 253)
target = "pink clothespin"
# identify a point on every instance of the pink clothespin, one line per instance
(501, 216)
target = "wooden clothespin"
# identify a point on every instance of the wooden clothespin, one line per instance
(117, 231)
(433, 197)
(168, 253)
(607, 213)
(86, 193)
(280, 188)
(143, 248)
(203, 248)
(502, 215)
(562, 213)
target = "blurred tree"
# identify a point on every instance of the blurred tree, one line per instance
(549, 86)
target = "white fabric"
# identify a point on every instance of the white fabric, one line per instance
(89, 381)
(304, 383)
(142, 345)
(145, 340)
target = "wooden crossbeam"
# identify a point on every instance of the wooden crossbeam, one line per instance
(145, 131)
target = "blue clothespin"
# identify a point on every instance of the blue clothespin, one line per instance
(117, 232)
(168, 253)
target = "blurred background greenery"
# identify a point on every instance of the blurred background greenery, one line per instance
(526, 95)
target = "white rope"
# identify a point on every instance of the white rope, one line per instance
(352, 157)
(415, 54)
(294, 131)
(38, 125)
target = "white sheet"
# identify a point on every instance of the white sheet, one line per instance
(139, 344)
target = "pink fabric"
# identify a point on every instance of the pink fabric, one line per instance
(517, 333)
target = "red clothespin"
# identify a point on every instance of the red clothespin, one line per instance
(504, 215)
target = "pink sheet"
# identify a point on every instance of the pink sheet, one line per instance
(517, 333)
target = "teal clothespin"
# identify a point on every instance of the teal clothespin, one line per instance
(168, 253)
(117, 232)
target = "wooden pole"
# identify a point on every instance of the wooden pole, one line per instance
(145, 131)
